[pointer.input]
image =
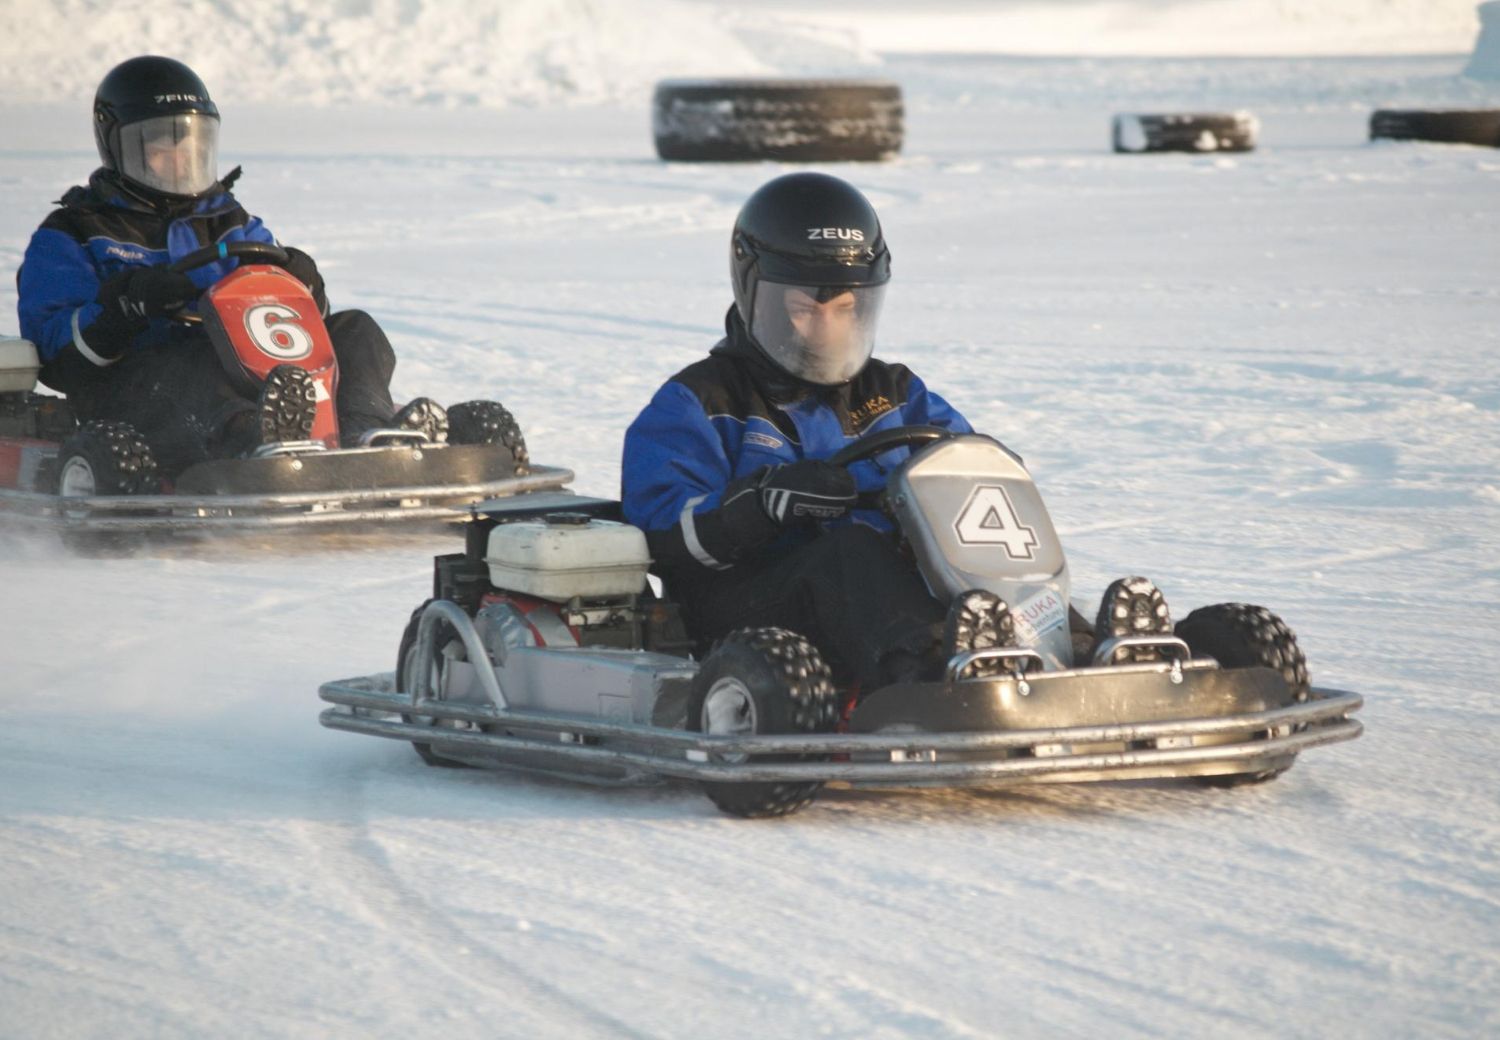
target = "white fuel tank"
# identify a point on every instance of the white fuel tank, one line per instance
(568, 554)
(19, 365)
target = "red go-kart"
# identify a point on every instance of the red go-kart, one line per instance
(99, 480)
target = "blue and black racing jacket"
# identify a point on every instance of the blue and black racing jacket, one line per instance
(695, 448)
(98, 231)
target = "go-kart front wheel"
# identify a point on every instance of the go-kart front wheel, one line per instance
(103, 458)
(757, 681)
(486, 422)
(1243, 635)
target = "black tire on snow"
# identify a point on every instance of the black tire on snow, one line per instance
(486, 422)
(104, 458)
(408, 638)
(114, 455)
(1448, 126)
(1243, 635)
(785, 687)
(744, 120)
(1132, 606)
(1186, 132)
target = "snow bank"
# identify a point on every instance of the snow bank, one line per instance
(1485, 64)
(503, 53)
(1167, 27)
(489, 53)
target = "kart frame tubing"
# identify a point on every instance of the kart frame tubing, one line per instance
(665, 752)
(267, 511)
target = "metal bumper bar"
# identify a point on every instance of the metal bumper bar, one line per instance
(1251, 740)
(258, 512)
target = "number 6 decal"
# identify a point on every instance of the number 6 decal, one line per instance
(273, 328)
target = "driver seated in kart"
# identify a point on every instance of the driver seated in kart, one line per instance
(726, 468)
(95, 292)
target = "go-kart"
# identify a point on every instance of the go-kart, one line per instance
(545, 648)
(98, 480)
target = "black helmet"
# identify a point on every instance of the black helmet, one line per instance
(809, 265)
(156, 127)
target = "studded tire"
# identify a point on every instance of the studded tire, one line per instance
(763, 680)
(116, 457)
(404, 657)
(288, 405)
(486, 422)
(103, 458)
(1133, 606)
(1243, 635)
(790, 120)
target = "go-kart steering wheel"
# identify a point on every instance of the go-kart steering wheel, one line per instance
(252, 252)
(885, 440)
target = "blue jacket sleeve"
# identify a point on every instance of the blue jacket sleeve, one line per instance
(672, 454)
(676, 486)
(57, 279)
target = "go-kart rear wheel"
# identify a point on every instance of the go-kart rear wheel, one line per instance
(762, 680)
(1243, 635)
(486, 422)
(106, 458)
(405, 657)
(103, 458)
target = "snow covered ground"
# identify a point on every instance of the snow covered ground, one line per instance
(1270, 377)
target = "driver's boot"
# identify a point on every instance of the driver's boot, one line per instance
(1132, 606)
(978, 620)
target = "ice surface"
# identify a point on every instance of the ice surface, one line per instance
(1268, 377)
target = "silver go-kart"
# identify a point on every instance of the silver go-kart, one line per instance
(546, 649)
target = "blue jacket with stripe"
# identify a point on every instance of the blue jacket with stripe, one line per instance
(98, 231)
(692, 454)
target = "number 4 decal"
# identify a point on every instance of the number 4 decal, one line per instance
(988, 518)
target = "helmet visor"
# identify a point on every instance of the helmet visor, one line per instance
(175, 154)
(823, 334)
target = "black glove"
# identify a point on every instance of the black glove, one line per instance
(805, 491)
(131, 298)
(142, 293)
(753, 511)
(303, 268)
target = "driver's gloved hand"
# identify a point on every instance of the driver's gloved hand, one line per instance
(755, 508)
(806, 491)
(303, 268)
(131, 298)
(142, 293)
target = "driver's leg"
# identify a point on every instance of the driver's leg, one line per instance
(366, 363)
(850, 591)
(176, 395)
